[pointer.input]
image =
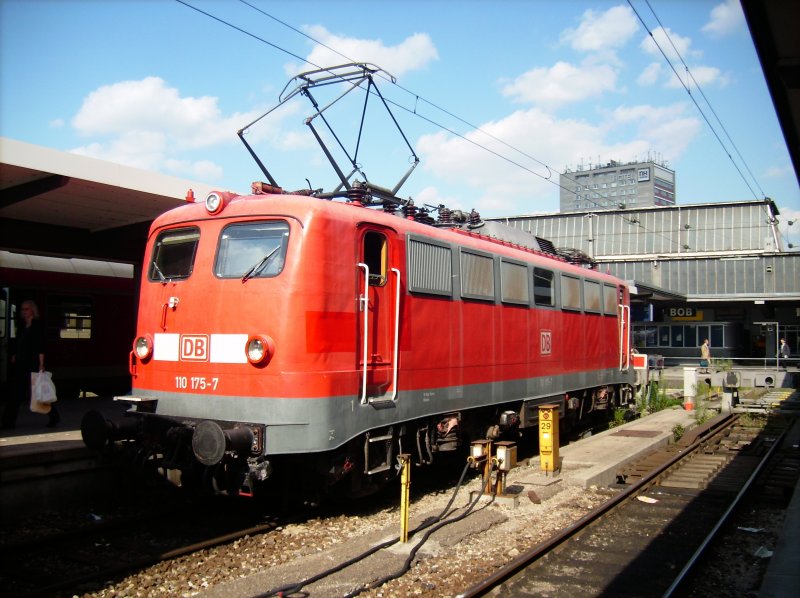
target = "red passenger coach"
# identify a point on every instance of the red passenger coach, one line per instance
(87, 308)
(314, 337)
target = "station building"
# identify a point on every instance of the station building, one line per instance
(716, 271)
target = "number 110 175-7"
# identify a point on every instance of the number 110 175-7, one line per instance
(196, 383)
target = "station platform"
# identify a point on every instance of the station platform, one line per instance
(32, 435)
(595, 461)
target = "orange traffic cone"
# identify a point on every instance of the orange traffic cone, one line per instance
(688, 403)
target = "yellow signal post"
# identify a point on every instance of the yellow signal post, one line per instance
(405, 486)
(548, 437)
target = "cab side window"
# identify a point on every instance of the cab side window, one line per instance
(375, 256)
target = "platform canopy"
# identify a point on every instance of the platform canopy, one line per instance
(773, 27)
(58, 203)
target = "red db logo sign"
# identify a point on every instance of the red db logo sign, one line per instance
(194, 347)
(545, 342)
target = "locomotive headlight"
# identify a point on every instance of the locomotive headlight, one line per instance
(213, 203)
(259, 349)
(143, 346)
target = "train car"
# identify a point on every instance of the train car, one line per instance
(302, 340)
(286, 337)
(88, 310)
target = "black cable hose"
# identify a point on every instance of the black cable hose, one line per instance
(296, 587)
(407, 565)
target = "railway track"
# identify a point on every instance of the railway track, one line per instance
(81, 559)
(645, 541)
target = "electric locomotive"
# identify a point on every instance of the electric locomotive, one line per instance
(303, 340)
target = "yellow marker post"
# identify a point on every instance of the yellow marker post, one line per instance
(548, 437)
(405, 486)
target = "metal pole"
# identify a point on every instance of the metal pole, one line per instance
(405, 485)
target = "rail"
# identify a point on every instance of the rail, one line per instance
(505, 574)
(682, 576)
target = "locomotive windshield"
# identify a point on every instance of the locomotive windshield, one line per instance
(252, 250)
(173, 255)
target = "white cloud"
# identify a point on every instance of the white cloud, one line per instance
(413, 53)
(699, 75)
(679, 51)
(140, 149)
(650, 74)
(147, 124)
(602, 31)
(775, 172)
(202, 169)
(518, 183)
(562, 83)
(725, 18)
(150, 105)
(676, 47)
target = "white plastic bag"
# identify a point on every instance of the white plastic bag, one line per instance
(42, 388)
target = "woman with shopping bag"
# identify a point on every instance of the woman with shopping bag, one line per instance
(26, 360)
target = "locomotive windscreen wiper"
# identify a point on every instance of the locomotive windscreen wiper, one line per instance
(159, 272)
(259, 265)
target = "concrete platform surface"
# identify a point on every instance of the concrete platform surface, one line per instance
(594, 461)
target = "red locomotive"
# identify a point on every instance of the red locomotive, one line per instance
(294, 337)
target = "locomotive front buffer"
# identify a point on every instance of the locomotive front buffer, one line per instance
(177, 447)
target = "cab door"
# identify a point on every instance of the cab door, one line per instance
(379, 312)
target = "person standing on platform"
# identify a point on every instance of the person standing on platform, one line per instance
(705, 356)
(784, 352)
(28, 358)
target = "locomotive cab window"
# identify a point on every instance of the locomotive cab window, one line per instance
(173, 255)
(375, 257)
(252, 250)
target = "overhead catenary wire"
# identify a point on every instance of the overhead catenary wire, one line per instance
(415, 95)
(707, 101)
(415, 112)
(694, 100)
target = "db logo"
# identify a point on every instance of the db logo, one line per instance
(545, 342)
(194, 347)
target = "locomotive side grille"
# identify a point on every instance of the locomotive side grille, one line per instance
(430, 268)
(477, 276)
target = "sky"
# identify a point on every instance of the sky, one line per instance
(494, 98)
